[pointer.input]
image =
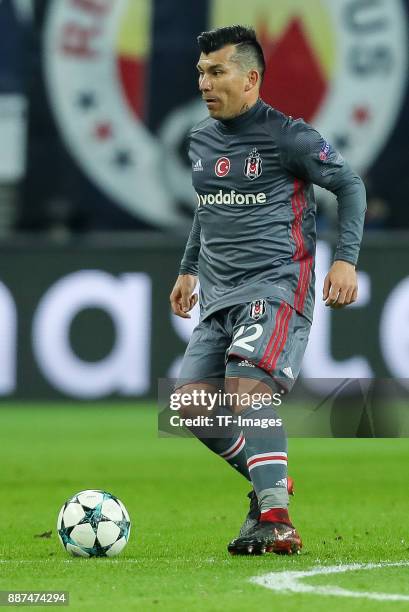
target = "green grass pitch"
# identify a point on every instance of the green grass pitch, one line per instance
(351, 505)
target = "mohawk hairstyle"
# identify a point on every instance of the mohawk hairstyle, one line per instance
(249, 53)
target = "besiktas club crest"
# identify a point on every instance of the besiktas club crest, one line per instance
(252, 165)
(257, 309)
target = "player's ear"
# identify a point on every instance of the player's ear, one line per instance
(252, 80)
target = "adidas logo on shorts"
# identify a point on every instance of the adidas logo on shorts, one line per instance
(246, 364)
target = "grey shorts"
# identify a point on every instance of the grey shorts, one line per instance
(264, 339)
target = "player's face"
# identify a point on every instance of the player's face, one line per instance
(222, 83)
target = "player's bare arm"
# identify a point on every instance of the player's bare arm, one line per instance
(183, 298)
(340, 285)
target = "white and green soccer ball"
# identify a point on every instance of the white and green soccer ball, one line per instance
(93, 524)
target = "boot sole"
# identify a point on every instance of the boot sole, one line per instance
(279, 547)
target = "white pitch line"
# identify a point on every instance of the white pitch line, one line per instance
(290, 581)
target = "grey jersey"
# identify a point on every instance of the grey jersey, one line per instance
(253, 234)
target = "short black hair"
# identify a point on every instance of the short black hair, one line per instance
(248, 49)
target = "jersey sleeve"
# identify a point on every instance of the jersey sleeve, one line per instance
(189, 263)
(307, 155)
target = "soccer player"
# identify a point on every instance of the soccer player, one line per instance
(252, 247)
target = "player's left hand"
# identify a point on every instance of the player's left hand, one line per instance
(340, 285)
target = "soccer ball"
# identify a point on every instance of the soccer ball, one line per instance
(93, 524)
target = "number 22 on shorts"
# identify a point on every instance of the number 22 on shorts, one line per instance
(245, 335)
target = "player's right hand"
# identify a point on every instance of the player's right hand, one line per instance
(182, 298)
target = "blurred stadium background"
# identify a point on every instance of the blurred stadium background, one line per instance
(96, 100)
